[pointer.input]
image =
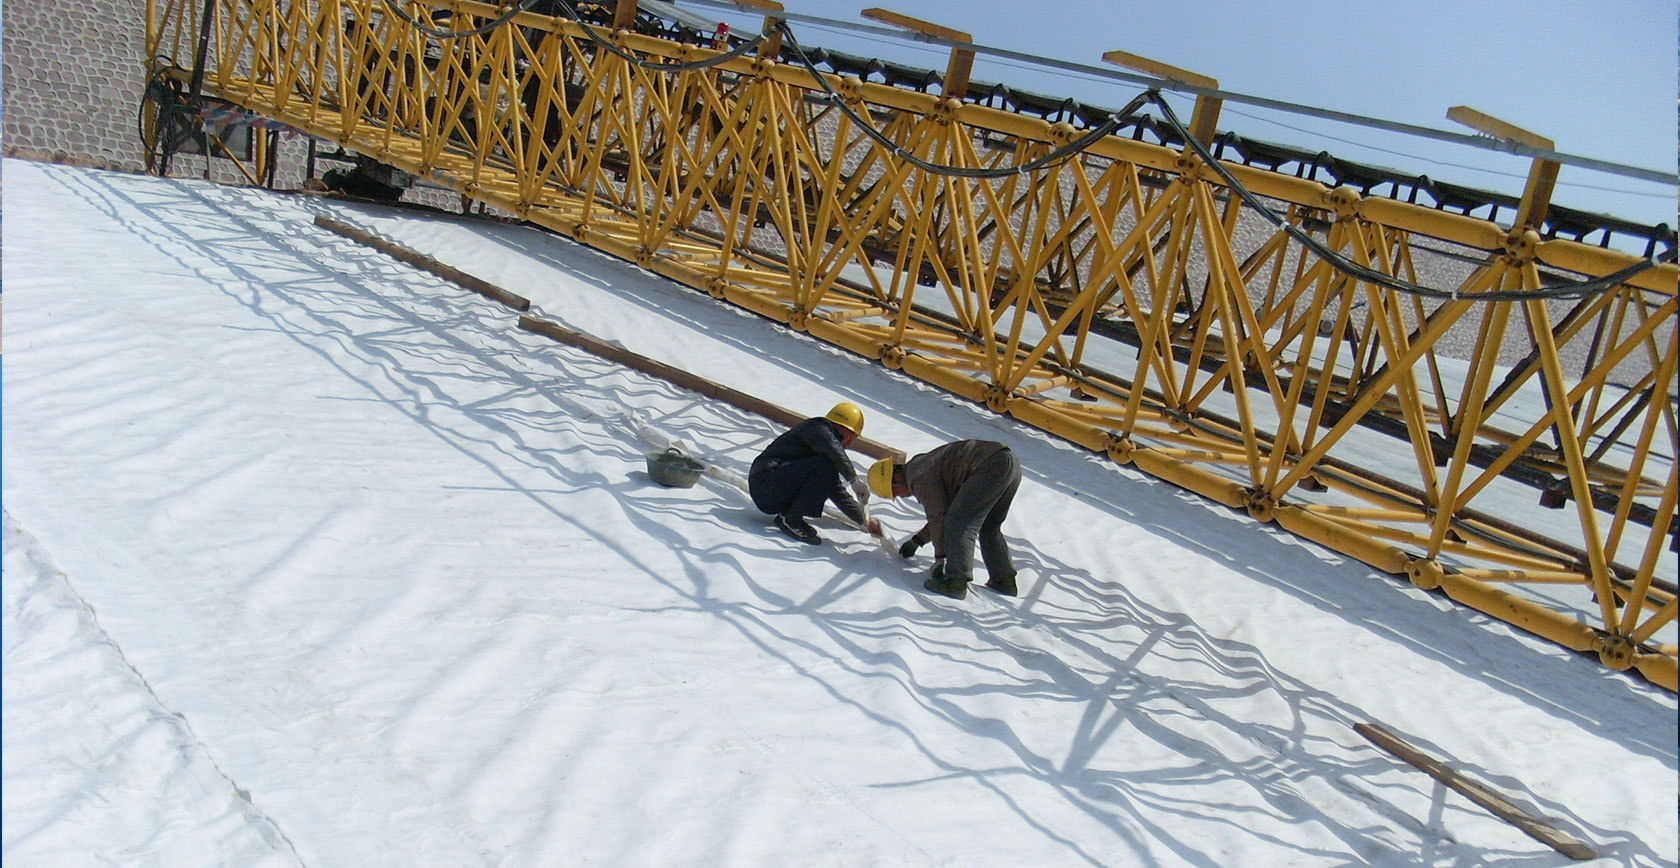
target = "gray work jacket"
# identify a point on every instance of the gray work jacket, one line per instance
(934, 478)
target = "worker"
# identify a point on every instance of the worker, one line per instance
(806, 467)
(966, 488)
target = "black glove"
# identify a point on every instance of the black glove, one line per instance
(908, 550)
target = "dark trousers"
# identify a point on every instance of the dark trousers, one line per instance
(801, 486)
(978, 510)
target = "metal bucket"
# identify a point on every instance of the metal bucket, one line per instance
(673, 469)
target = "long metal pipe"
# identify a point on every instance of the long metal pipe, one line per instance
(1485, 143)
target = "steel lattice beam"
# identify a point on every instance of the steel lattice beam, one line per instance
(1124, 300)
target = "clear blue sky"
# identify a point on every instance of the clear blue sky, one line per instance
(1599, 77)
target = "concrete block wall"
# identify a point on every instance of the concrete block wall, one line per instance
(73, 75)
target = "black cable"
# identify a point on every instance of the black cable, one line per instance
(492, 24)
(525, 5)
(1371, 275)
(1115, 120)
(152, 93)
(1054, 158)
(683, 66)
(1336, 260)
(171, 102)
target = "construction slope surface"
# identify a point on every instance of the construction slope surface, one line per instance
(314, 558)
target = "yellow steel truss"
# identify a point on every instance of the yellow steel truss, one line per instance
(1124, 299)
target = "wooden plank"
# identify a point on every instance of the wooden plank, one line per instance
(1158, 69)
(1483, 122)
(425, 263)
(1535, 827)
(690, 381)
(592, 345)
(915, 25)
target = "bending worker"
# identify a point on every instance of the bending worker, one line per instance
(806, 467)
(966, 488)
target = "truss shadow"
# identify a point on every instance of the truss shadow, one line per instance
(1161, 699)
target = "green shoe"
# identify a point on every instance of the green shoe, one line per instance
(1004, 585)
(956, 589)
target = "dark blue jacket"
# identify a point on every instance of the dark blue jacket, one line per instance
(812, 437)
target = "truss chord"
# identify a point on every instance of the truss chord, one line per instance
(1482, 142)
(641, 63)
(1353, 269)
(522, 6)
(601, 147)
(1054, 158)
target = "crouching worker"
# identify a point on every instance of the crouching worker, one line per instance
(966, 488)
(806, 467)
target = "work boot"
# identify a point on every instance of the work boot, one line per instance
(797, 527)
(956, 589)
(1003, 584)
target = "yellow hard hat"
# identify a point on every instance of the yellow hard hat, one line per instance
(880, 478)
(848, 416)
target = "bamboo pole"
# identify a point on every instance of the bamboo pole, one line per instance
(1535, 827)
(426, 263)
